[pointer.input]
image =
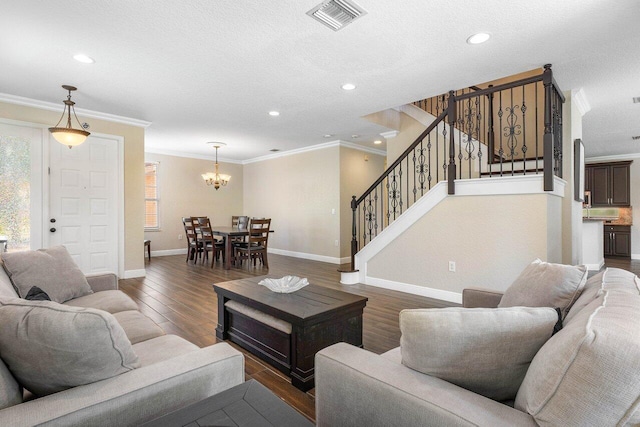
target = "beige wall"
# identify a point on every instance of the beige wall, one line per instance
(183, 192)
(409, 130)
(491, 239)
(634, 185)
(358, 170)
(133, 171)
(298, 192)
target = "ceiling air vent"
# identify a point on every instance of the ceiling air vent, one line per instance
(635, 138)
(336, 14)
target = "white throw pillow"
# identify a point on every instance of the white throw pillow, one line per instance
(485, 350)
(49, 347)
(543, 284)
(52, 270)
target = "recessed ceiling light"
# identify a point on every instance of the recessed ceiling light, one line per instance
(274, 113)
(377, 142)
(478, 38)
(328, 135)
(355, 136)
(348, 86)
(83, 58)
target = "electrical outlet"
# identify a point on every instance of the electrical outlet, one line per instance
(179, 236)
(333, 211)
(452, 266)
(335, 243)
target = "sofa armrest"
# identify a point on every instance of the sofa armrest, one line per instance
(479, 297)
(102, 282)
(136, 396)
(357, 387)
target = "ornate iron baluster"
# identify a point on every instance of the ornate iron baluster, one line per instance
(429, 151)
(501, 150)
(524, 131)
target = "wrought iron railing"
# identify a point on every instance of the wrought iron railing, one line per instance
(512, 128)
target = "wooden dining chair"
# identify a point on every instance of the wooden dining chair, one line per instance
(256, 245)
(209, 244)
(194, 246)
(239, 221)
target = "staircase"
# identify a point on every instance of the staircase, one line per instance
(478, 133)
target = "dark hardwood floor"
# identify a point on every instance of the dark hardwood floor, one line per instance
(179, 297)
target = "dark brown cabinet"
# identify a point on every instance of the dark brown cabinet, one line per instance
(617, 240)
(608, 184)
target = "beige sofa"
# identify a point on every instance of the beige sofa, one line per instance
(587, 374)
(169, 373)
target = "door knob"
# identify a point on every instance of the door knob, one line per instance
(52, 220)
(53, 230)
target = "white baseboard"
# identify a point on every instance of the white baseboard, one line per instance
(132, 274)
(595, 267)
(415, 289)
(182, 251)
(313, 257)
(635, 256)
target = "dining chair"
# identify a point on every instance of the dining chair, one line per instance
(256, 245)
(194, 246)
(209, 244)
(239, 221)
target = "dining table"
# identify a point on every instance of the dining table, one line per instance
(228, 233)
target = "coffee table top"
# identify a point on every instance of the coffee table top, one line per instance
(302, 306)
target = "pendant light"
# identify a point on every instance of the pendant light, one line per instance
(68, 135)
(215, 178)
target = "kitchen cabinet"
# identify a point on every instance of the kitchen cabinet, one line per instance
(608, 183)
(617, 240)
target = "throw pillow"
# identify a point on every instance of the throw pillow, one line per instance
(37, 294)
(543, 284)
(52, 269)
(485, 350)
(49, 347)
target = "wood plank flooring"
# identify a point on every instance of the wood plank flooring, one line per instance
(179, 297)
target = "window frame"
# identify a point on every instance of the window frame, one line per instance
(156, 199)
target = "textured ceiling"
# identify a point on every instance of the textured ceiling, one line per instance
(207, 70)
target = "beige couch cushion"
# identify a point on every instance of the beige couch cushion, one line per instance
(137, 326)
(113, 301)
(10, 390)
(50, 347)
(485, 350)
(543, 284)
(587, 374)
(6, 287)
(162, 348)
(52, 270)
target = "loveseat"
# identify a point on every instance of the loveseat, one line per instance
(586, 374)
(65, 352)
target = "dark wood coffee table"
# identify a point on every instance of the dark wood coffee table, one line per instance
(319, 317)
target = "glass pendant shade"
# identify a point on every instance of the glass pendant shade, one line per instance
(68, 135)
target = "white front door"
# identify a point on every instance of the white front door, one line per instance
(83, 202)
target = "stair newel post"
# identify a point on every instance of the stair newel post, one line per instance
(354, 233)
(547, 80)
(452, 116)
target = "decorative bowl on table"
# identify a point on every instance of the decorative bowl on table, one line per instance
(285, 285)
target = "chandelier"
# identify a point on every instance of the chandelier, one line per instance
(215, 178)
(68, 135)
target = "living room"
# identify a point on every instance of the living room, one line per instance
(301, 168)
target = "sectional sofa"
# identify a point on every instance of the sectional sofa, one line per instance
(92, 358)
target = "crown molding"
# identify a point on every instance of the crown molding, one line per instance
(337, 143)
(50, 106)
(579, 99)
(389, 134)
(613, 157)
(151, 150)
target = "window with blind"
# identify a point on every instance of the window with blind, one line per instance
(151, 196)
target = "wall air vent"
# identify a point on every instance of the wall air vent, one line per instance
(336, 14)
(636, 99)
